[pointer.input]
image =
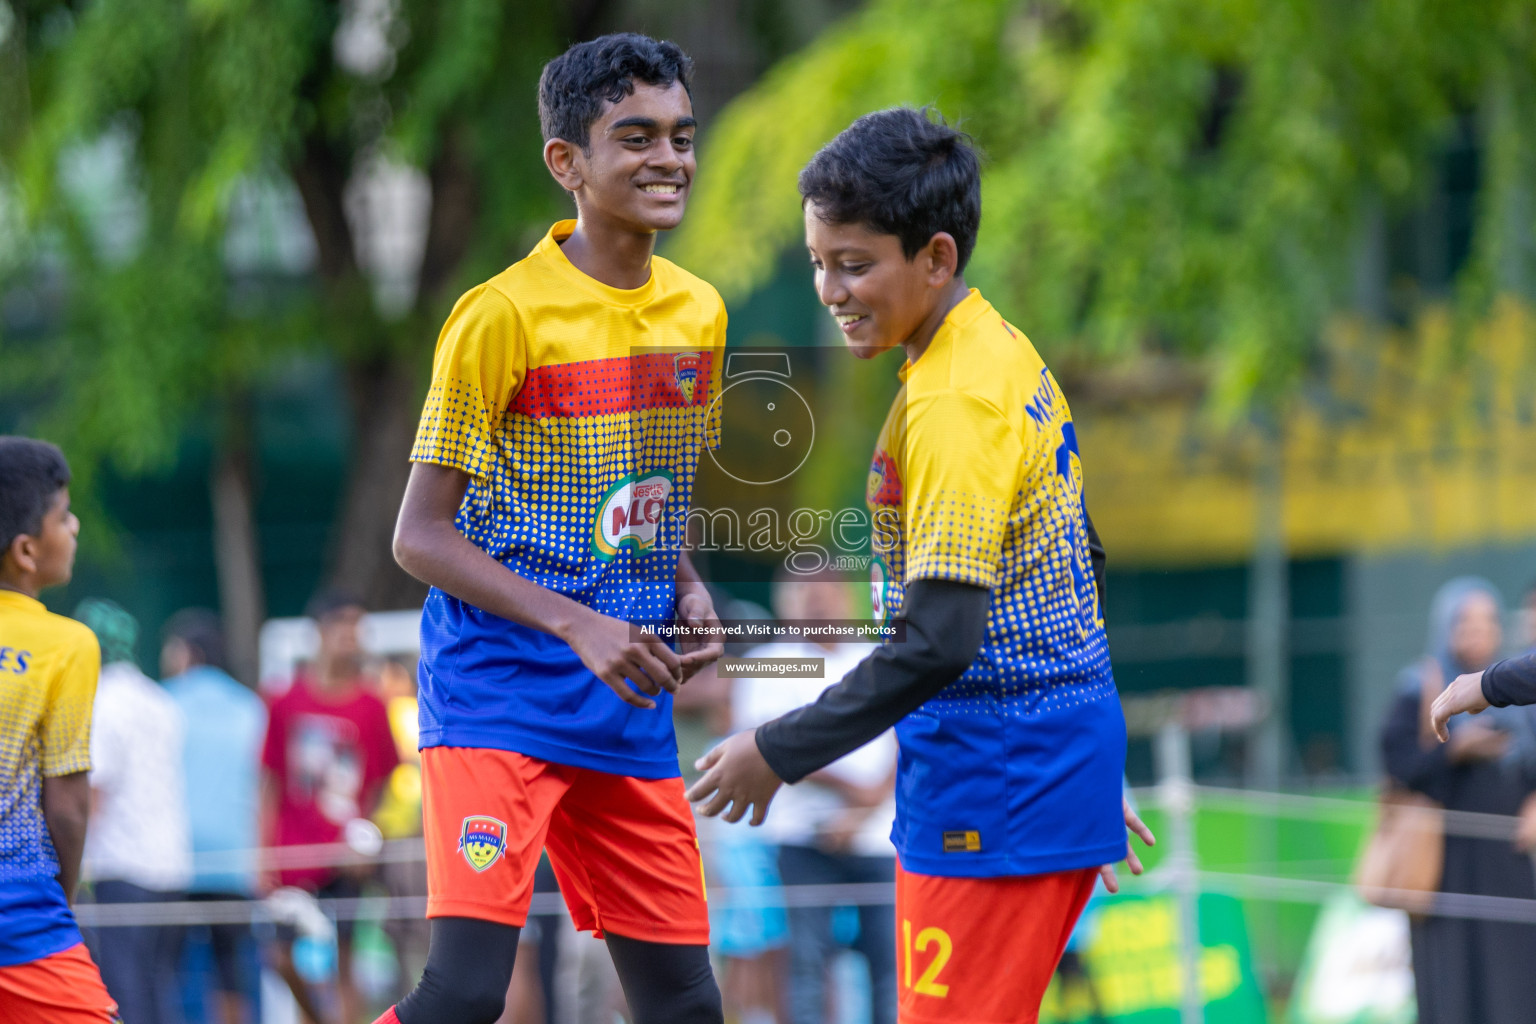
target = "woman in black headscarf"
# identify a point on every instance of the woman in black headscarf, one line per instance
(1468, 971)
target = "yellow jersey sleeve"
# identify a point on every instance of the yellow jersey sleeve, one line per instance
(66, 725)
(716, 382)
(963, 465)
(481, 361)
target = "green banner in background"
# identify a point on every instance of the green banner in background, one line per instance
(1131, 972)
(1358, 968)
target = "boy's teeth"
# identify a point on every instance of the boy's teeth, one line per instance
(670, 190)
(848, 318)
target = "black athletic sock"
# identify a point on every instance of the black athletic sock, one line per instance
(469, 965)
(665, 983)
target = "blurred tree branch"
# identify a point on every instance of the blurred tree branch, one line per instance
(1164, 176)
(128, 129)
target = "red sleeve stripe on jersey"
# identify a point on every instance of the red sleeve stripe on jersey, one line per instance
(603, 387)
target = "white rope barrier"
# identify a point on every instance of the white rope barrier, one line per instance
(311, 855)
(1269, 888)
(385, 907)
(1266, 885)
(1335, 810)
(1342, 811)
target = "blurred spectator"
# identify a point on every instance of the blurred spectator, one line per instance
(750, 936)
(531, 994)
(587, 982)
(327, 755)
(750, 939)
(399, 811)
(834, 827)
(1527, 636)
(138, 848)
(1467, 970)
(701, 711)
(399, 817)
(225, 723)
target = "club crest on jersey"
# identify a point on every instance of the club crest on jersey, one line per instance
(482, 840)
(686, 369)
(884, 484)
(629, 515)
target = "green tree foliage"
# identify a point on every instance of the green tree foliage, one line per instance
(1182, 176)
(199, 100)
(142, 140)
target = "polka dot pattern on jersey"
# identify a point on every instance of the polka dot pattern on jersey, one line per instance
(48, 669)
(1045, 647)
(542, 472)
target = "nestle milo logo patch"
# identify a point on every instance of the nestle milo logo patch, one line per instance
(630, 514)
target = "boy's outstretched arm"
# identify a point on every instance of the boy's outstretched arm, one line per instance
(430, 547)
(66, 809)
(946, 623)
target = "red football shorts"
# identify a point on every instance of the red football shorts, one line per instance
(982, 950)
(624, 850)
(64, 988)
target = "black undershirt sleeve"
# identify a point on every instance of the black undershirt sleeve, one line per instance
(946, 622)
(1512, 681)
(1096, 555)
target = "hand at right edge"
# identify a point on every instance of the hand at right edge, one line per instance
(624, 658)
(1465, 694)
(1135, 825)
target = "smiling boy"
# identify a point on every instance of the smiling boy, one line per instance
(570, 398)
(1012, 741)
(48, 671)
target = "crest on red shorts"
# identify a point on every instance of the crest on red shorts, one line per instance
(482, 839)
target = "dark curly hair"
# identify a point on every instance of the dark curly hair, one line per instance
(575, 84)
(31, 473)
(901, 172)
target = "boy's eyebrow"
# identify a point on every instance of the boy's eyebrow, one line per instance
(649, 123)
(846, 250)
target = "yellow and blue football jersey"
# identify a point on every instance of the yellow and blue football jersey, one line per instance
(579, 411)
(1015, 768)
(48, 671)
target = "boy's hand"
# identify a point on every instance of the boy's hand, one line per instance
(738, 776)
(607, 647)
(696, 610)
(1135, 824)
(1464, 694)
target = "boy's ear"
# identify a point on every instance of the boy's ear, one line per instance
(22, 553)
(943, 259)
(564, 162)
